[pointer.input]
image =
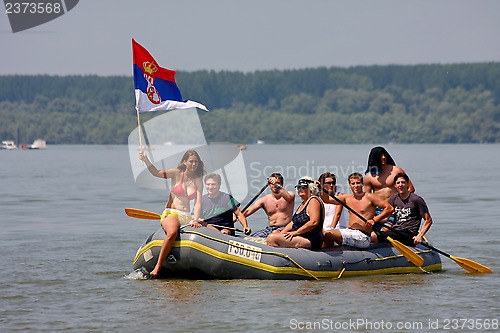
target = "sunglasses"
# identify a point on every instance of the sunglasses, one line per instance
(301, 187)
(329, 183)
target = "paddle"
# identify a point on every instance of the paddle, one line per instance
(403, 249)
(407, 252)
(467, 264)
(142, 214)
(147, 215)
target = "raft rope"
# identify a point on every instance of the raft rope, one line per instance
(369, 260)
(282, 255)
(424, 271)
(341, 272)
(421, 251)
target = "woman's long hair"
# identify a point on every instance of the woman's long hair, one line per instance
(374, 164)
(200, 170)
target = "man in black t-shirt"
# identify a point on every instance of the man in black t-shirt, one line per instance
(217, 208)
(409, 210)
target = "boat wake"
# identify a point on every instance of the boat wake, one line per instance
(138, 274)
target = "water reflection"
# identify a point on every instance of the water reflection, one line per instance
(309, 288)
(179, 291)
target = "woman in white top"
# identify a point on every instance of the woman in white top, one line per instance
(335, 215)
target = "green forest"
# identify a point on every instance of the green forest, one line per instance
(457, 103)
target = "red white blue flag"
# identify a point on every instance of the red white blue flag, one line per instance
(155, 87)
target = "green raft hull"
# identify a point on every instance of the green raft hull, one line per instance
(202, 253)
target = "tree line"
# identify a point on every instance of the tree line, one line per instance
(366, 104)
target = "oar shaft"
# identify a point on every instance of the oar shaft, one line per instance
(437, 250)
(224, 227)
(361, 217)
(255, 197)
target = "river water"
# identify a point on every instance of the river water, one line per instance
(67, 248)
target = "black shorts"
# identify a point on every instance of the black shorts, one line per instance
(403, 236)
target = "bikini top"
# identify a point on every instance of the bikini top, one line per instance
(181, 192)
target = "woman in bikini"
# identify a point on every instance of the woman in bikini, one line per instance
(306, 228)
(187, 178)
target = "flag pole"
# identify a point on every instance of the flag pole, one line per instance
(139, 130)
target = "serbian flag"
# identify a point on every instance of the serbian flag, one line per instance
(155, 87)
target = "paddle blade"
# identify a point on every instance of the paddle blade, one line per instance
(142, 214)
(471, 266)
(407, 252)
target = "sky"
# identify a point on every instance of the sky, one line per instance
(189, 35)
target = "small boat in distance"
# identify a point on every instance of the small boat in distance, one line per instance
(38, 144)
(8, 145)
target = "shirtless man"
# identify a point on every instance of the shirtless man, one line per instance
(358, 232)
(379, 178)
(278, 206)
(380, 174)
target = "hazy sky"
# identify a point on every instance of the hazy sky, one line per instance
(95, 37)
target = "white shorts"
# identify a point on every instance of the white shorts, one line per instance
(355, 238)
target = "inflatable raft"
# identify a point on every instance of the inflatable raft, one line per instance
(202, 253)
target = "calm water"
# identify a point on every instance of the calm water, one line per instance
(67, 246)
